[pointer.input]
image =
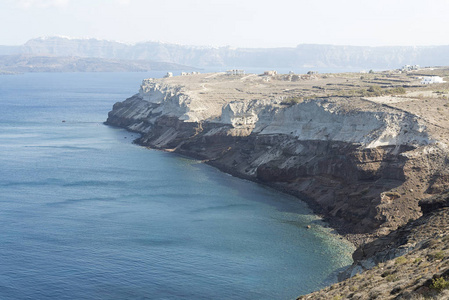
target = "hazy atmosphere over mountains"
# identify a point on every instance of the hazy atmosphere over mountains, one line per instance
(302, 56)
(321, 34)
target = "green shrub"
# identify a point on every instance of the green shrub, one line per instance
(391, 278)
(439, 284)
(400, 260)
(417, 260)
(396, 91)
(353, 288)
(375, 90)
(439, 255)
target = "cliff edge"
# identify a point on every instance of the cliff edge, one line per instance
(362, 150)
(362, 163)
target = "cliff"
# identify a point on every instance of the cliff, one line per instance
(368, 152)
(361, 163)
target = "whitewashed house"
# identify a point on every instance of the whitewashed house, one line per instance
(432, 80)
(235, 72)
(270, 73)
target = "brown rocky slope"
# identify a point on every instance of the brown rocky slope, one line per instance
(409, 263)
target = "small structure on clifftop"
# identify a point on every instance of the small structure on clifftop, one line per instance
(270, 73)
(432, 79)
(408, 68)
(235, 72)
(187, 74)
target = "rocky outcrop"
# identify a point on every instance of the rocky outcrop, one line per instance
(401, 241)
(363, 165)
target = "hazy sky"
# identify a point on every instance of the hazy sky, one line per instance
(237, 23)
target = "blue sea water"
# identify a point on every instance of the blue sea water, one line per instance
(86, 214)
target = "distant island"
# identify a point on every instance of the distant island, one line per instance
(303, 56)
(367, 150)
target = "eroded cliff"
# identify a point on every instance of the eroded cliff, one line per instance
(361, 163)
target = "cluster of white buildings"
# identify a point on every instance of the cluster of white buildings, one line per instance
(170, 74)
(187, 74)
(408, 68)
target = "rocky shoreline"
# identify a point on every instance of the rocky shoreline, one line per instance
(361, 164)
(411, 262)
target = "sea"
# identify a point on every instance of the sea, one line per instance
(87, 214)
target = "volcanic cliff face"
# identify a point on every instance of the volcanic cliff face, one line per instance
(361, 163)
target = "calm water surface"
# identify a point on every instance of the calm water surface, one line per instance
(86, 214)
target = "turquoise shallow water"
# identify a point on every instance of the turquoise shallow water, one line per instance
(86, 214)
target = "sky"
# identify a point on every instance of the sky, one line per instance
(235, 23)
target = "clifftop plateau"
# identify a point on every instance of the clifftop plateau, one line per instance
(361, 149)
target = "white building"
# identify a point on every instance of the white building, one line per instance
(432, 79)
(408, 68)
(235, 72)
(270, 73)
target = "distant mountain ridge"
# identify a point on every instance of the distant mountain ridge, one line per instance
(302, 56)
